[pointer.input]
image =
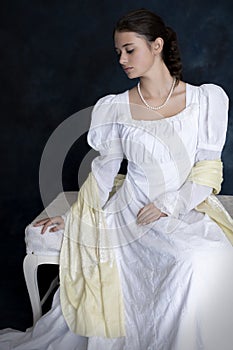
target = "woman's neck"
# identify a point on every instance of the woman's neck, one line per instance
(157, 83)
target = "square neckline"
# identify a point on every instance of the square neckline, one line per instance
(172, 117)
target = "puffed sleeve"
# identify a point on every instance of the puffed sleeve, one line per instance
(103, 136)
(213, 118)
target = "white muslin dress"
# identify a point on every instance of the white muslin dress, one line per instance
(176, 273)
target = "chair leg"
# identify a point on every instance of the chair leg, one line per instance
(53, 285)
(30, 265)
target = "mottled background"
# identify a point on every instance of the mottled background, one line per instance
(57, 58)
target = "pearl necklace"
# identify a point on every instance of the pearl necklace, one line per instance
(166, 101)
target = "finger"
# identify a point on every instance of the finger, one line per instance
(142, 219)
(152, 218)
(149, 216)
(45, 227)
(41, 222)
(146, 211)
(143, 211)
(58, 223)
(57, 220)
(140, 210)
(54, 229)
(57, 228)
(145, 218)
(54, 220)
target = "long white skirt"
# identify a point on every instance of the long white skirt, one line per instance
(177, 289)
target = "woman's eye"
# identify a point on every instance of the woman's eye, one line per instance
(130, 51)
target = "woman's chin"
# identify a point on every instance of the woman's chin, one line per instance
(132, 75)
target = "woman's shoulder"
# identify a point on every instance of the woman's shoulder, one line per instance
(106, 109)
(213, 116)
(112, 98)
(209, 91)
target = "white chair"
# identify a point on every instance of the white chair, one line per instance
(45, 249)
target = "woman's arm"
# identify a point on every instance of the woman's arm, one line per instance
(104, 137)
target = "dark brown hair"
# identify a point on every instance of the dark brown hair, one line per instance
(151, 26)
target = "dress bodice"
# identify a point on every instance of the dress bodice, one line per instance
(160, 153)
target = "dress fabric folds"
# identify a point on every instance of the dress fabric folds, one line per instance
(90, 289)
(175, 273)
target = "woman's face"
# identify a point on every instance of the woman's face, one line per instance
(135, 55)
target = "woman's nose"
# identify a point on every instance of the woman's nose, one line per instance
(123, 59)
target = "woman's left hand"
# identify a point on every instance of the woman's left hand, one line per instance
(149, 213)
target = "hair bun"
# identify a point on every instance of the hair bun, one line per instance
(171, 54)
(171, 35)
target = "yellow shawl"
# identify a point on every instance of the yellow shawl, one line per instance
(90, 289)
(209, 173)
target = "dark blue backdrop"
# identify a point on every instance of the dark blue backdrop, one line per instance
(57, 58)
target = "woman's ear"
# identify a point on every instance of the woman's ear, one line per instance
(158, 46)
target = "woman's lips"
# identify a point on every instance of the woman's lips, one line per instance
(128, 69)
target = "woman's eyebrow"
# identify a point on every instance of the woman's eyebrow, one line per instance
(127, 44)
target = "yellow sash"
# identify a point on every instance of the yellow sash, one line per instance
(90, 289)
(209, 173)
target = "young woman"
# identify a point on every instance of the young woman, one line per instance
(166, 279)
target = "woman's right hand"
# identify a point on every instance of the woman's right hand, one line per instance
(56, 220)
